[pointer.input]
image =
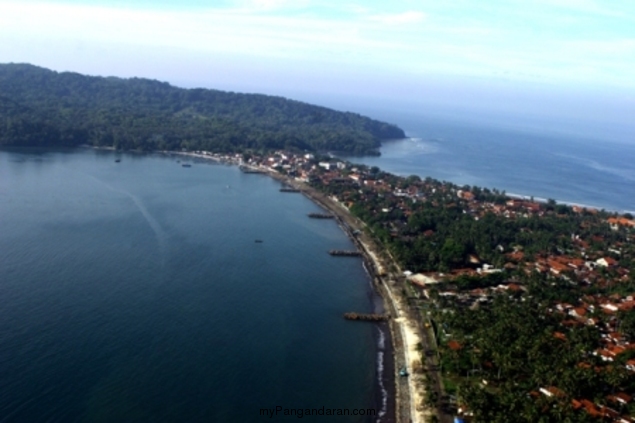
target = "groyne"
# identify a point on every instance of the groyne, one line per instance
(373, 317)
(382, 281)
(345, 253)
(321, 216)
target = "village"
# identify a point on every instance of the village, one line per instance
(587, 255)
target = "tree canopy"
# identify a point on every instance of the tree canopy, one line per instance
(40, 107)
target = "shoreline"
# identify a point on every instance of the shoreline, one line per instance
(536, 197)
(404, 336)
(403, 330)
(508, 194)
(566, 203)
(404, 175)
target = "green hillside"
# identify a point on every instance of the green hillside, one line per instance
(40, 107)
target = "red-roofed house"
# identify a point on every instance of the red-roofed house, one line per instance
(606, 262)
(556, 267)
(621, 221)
(621, 398)
(552, 391)
(560, 335)
(598, 411)
(578, 312)
(454, 346)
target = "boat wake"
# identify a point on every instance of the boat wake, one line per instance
(159, 233)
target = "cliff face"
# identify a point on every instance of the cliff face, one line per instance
(43, 107)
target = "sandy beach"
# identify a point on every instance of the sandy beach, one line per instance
(409, 392)
(410, 340)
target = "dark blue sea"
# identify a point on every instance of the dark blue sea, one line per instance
(590, 170)
(135, 292)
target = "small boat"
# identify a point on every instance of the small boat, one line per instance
(117, 161)
(186, 165)
(259, 241)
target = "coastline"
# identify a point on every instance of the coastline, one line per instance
(289, 366)
(384, 274)
(403, 330)
(408, 334)
(520, 193)
(509, 194)
(566, 203)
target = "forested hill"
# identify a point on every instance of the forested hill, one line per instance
(40, 107)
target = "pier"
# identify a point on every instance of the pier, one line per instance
(245, 169)
(367, 317)
(345, 253)
(321, 216)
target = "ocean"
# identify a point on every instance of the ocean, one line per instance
(579, 169)
(135, 292)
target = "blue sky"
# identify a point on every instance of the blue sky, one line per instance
(535, 57)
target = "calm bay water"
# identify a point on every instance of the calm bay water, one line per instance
(134, 291)
(594, 172)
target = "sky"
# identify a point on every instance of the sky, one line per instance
(546, 60)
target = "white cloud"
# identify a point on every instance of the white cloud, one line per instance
(409, 17)
(617, 48)
(255, 6)
(344, 37)
(621, 9)
(231, 30)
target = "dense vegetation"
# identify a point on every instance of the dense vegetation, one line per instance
(439, 232)
(39, 107)
(534, 309)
